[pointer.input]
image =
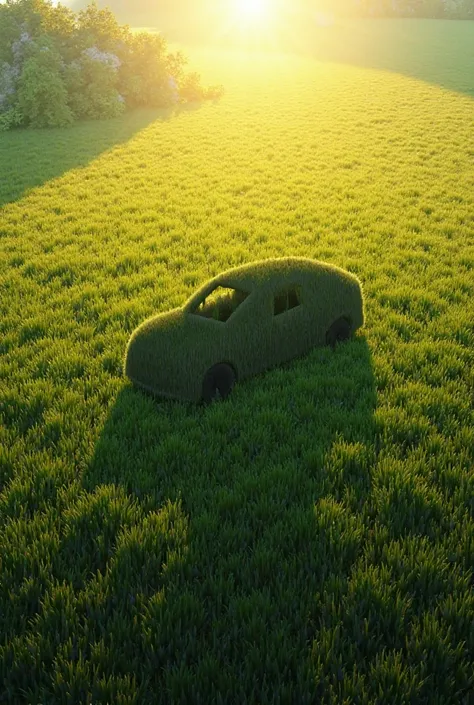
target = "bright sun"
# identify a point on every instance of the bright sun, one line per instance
(251, 10)
(252, 23)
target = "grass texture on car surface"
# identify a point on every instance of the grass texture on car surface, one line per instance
(290, 305)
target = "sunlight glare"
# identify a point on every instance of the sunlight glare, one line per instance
(251, 10)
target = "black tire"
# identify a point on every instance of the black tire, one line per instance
(339, 331)
(218, 383)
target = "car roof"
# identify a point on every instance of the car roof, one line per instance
(270, 271)
(264, 275)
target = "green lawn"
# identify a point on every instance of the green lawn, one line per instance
(310, 539)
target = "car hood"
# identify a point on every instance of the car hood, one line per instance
(152, 348)
(164, 357)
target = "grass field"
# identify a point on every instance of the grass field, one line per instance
(310, 539)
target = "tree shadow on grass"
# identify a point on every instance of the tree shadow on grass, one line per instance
(30, 157)
(249, 509)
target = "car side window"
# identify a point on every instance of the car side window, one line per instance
(221, 303)
(287, 299)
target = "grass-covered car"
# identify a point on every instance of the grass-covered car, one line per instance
(242, 322)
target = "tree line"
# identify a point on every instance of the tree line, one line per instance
(429, 9)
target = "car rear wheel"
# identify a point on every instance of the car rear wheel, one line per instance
(218, 383)
(338, 332)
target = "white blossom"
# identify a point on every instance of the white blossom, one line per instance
(18, 46)
(102, 56)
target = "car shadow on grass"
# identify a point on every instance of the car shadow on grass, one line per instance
(251, 517)
(31, 157)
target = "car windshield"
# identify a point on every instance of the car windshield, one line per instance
(220, 303)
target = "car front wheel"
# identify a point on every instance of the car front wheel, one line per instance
(218, 382)
(339, 331)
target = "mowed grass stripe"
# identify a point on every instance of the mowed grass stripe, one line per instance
(310, 538)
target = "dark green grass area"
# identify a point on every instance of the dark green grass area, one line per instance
(310, 539)
(30, 158)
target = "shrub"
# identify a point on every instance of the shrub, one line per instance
(214, 92)
(98, 27)
(91, 83)
(9, 75)
(42, 98)
(13, 117)
(191, 90)
(9, 32)
(144, 77)
(190, 87)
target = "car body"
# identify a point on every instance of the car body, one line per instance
(277, 309)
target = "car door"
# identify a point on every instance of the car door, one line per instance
(290, 335)
(241, 338)
(249, 333)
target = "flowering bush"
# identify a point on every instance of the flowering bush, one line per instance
(104, 57)
(57, 67)
(91, 83)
